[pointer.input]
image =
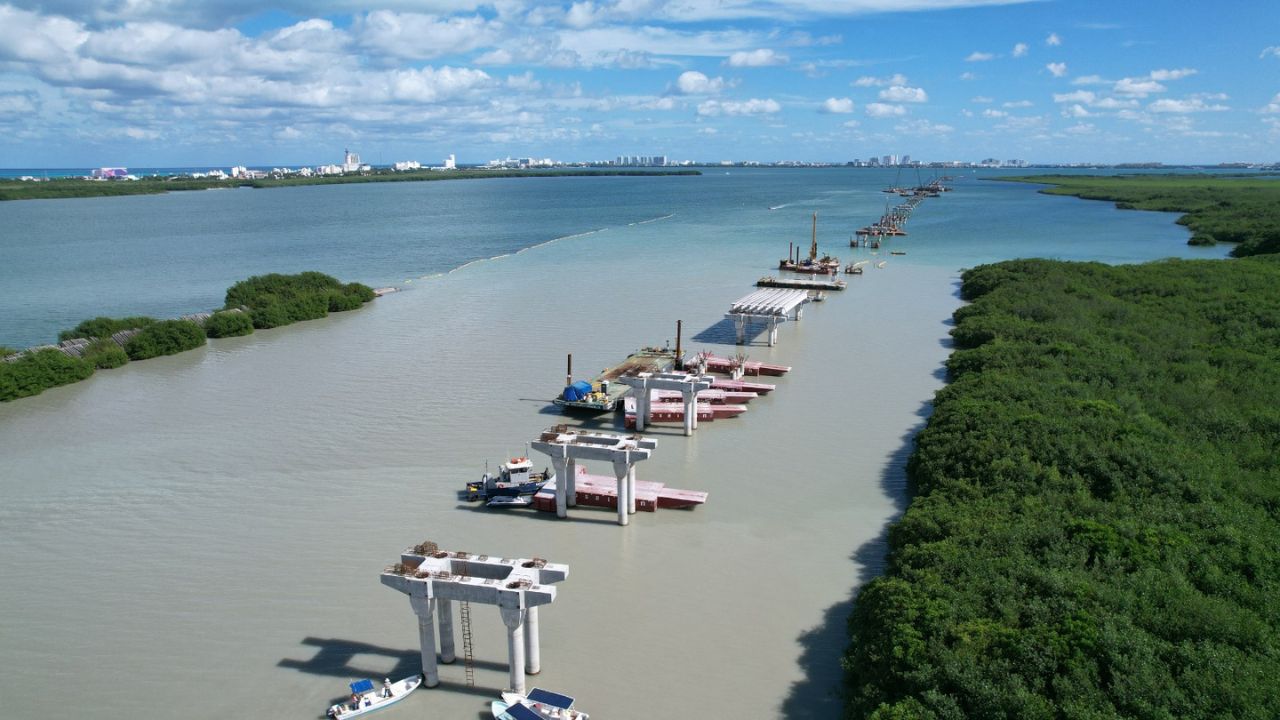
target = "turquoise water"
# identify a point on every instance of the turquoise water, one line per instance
(184, 533)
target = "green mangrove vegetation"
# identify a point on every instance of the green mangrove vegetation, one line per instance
(1096, 510)
(1217, 208)
(263, 301)
(82, 188)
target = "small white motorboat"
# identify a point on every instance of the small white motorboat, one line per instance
(365, 698)
(509, 501)
(537, 705)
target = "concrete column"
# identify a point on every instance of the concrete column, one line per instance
(571, 483)
(631, 489)
(532, 652)
(799, 311)
(642, 404)
(513, 618)
(621, 467)
(690, 411)
(562, 482)
(740, 323)
(423, 607)
(773, 332)
(444, 616)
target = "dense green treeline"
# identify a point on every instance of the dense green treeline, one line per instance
(1217, 209)
(263, 301)
(79, 187)
(1096, 509)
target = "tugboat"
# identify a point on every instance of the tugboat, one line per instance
(514, 479)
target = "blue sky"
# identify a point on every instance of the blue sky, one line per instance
(221, 82)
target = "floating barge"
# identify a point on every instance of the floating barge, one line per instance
(602, 393)
(731, 366)
(602, 491)
(673, 412)
(826, 265)
(773, 282)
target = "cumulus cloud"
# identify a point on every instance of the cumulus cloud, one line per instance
(881, 110)
(922, 127)
(968, 76)
(1053, 40)
(1057, 69)
(1077, 111)
(1166, 75)
(1141, 87)
(1020, 50)
(1110, 103)
(1017, 104)
(692, 82)
(1083, 96)
(418, 36)
(1082, 129)
(869, 81)
(1273, 107)
(1189, 105)
(754, 106)
(1273, 51)
(839, 106)
(900, 94)
(762, 57)
(976, 56)
(990, 113)
(1090, 80)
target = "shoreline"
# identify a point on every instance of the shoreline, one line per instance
(70, 188)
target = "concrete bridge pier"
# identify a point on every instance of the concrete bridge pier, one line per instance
(622, 469)
(532, 652)
(423, 607)
(444, 617)
(513, 618)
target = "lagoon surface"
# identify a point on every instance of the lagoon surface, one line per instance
(201, 535)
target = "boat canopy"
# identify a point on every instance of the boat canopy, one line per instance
(522, 712)
(577, 391)
(361, 686)
(547, 697)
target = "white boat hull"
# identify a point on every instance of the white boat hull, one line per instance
(374, 700)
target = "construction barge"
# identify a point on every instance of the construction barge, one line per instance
(800, 283)
(603, 392)
(602, 491)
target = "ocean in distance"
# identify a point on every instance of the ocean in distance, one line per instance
(201, 535)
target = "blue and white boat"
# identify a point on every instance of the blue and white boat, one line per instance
(515, 478)
(539, 704)
(366, 698)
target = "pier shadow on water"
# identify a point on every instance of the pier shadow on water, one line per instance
(336, 657)
(725, 333)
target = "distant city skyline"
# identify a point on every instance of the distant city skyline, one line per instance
(230, 82)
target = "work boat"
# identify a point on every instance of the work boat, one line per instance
(537, 705)
(365, 698)
(515, 478)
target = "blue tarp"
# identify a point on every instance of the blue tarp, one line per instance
(547, 697)
(521, 712)
(577, 391)
(361, 686)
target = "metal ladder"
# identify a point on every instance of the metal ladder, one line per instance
(468, 656)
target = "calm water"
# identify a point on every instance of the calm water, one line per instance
(201, 535)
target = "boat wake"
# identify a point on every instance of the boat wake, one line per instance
(651, 220)
(558, 239)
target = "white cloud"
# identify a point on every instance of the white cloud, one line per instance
(1166, 75)
(1110, 103)
(968, 76)
(1090, 80)
(922, 127)
(761, 57)
(1082, 129)
(1017, 104)
(1053, 40)
(869, 81)
(1057, 69)
(1081, 96)
(1191, 105)
(417, 36)
(1273, 51)
(990, 113)
(662, 103)
(1020, 50)
(850, 124)
(692, 82)
(900, 94)
(881, 110)
(1077, 111)
(981, 99)
(754, 106)
(1273, 107)
(1140, 87)
(287, 133)
(840, 106)
(979, 57)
